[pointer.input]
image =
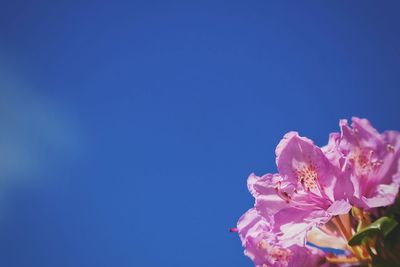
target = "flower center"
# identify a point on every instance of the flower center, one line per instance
(308, 177)
(366, 162)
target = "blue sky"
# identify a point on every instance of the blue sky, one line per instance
(129, 127)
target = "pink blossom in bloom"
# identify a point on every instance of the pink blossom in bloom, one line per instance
(370, 160)
(290, 224)
(304, 193)
(262, 246)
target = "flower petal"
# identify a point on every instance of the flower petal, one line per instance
(265, 191)
(251, 224)
(367, 135)
(339, 207)
(263, 185)
(331, 150)
(385, 195)
(344, 186)
(291, 225)
(391, 159)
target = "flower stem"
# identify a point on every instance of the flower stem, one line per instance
(342, 228)
(339, 260)
(347, 235)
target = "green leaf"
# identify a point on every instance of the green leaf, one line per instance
(382, 226)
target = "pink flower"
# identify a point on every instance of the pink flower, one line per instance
(370, 160)
(262, 246)
(304, 193)
(294, 207)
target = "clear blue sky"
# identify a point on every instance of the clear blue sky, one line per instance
(129, 128)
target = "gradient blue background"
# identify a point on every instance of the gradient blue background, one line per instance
(129, 128)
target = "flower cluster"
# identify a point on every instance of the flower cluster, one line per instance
(326, 206)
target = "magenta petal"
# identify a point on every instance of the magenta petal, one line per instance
(344, 186)
(255, 252)
(291, 224)
(331, 150)
(391, 159)
(251, 224)
(302, 256)
(347, 139)
(264, 190)
(339, 207)
(265, 253)
(269, 205)
(367, 135)
(263, 185)
(385, 195)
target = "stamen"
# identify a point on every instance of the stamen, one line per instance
(288, 198)
(366, 161)
(308, 177)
